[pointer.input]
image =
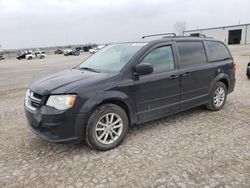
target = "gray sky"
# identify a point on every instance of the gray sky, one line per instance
(38, 23)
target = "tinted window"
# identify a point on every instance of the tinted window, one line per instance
(161, 59)
(216, 51)
(191, 53)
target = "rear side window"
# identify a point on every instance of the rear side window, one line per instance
(191, 53)
(217, 51)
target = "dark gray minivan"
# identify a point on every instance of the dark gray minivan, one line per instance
(126, 84)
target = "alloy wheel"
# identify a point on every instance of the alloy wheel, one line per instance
(109, 128)
(219, 96)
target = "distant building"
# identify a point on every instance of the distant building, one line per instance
(234, 34)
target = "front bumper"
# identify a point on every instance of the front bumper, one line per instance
(55, 125)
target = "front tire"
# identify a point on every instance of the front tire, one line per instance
(107, 127)
(218, 97)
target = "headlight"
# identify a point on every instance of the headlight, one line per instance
(27, 97)
(27, 94)
(61, 102)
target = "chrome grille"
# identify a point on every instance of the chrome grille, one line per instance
(33, 100)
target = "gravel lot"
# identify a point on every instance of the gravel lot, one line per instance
(196, 148)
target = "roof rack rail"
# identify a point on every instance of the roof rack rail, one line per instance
(198, 35)
(155, 35)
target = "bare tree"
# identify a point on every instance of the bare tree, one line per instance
(179, 27)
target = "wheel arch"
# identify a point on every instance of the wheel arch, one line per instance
(114, 97)
(224, 78)
(116, 101)
(224, 81)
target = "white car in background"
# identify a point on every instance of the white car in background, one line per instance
(67, 52)
(94, 50)
(36, 55)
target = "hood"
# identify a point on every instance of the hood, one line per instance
(65, 81)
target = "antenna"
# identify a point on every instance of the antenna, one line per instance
(155, 35)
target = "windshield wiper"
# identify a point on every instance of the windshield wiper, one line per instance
(87, 68)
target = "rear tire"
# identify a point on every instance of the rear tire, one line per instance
(30, 58)
(107, 127)
(218, 97)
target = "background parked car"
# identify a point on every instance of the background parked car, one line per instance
(66, 52)
(58, 51)
(80, 49)
(35, 55)
(248, 70)
(40, 54)
(75, 53)
(94, 50)
(1, 57)
(22, 55)
(86, 48)
(69, 52)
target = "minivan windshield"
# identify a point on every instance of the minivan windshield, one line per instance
(112, 58)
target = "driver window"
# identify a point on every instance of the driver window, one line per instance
(161, 58)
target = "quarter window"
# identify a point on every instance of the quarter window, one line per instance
(217, 51)
(161, 58)
(191, 53)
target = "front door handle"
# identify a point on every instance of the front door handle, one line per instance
(174, 77)
(186, 74)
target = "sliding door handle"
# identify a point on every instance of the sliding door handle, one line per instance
(186, 74)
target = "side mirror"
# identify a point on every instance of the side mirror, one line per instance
(143, 69)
